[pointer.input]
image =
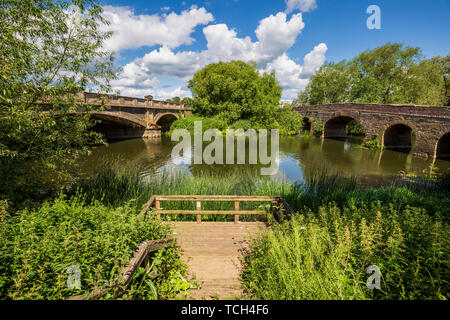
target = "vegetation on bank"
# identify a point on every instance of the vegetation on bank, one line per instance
(341, 229)
(39, 245)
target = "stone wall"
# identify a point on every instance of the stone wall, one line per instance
(428, 124)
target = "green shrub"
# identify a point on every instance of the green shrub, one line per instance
(324, 255)
(354, 128)
(242, 124)
(39, 245)
(207, 123)
(290, 121)
(373, 144)
(318, 128)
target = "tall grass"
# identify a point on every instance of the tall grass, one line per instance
(341, 229)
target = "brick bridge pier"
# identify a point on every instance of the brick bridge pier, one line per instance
(128, 117)
(423, 130)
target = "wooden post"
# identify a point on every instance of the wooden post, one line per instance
(158, 206)
(199, 208)
(236, 216)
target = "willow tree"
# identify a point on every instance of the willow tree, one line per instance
(49, 52)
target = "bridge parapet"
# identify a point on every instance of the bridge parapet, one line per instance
(131, 102)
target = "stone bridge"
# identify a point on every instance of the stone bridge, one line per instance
(128, 117)
(422, 130)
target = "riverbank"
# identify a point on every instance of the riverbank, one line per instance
(322, 252)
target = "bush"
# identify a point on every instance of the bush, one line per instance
(324, 255)
(290, 121)
(207, 123)
(318, 128)
(39, 245)
(354, 128)
(374, 144)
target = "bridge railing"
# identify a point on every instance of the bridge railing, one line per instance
(155, 202)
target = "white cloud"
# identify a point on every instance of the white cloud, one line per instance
(293, 77)
(314, 60)
(302, 5)
(133, 31)
(275, 35)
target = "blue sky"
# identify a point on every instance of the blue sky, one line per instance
(161, 44)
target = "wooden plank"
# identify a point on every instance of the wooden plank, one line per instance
(236, 208)
(147, 205)
(158, 207)
(199, 209)
(202, 212)
(215, 198)
(286, 206)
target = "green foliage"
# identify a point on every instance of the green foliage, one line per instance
(207, 123)
(49, 53)
(318, 128)
(324, 255)
(330, 84)
(341, 229)
(374, 144)
(39, 245)
(388, 74)
(242, 124)
(235, 90)
(354, 128)
(290, 121)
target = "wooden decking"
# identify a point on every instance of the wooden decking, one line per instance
(213, 251)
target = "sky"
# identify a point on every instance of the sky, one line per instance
(159, 45)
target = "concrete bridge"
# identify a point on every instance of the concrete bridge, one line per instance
(422, 130)
(128, 117)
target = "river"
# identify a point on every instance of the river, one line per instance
(299, 156)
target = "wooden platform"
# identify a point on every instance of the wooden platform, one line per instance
(213, 251)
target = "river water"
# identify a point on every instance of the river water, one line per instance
(299, 157)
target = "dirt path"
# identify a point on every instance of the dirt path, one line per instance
(212, 251)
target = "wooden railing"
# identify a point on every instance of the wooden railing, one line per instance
(155, 201)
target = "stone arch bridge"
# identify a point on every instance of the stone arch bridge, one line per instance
(128, 117)
(422, 130)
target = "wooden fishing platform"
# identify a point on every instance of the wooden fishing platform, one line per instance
(213, 250)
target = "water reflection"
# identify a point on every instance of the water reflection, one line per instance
(299, 158)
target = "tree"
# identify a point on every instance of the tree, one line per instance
(236, 90)
(50, 51)
(330, 84)
(388, 74)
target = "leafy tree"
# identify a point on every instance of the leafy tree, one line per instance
(236, 90)
(331, 84)
(388, 74)
(49, 52)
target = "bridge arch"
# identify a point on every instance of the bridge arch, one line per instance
(117, 125)
(443, 147)
(336, 127)
(165, 120)
(399, 136)
(306, 124)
